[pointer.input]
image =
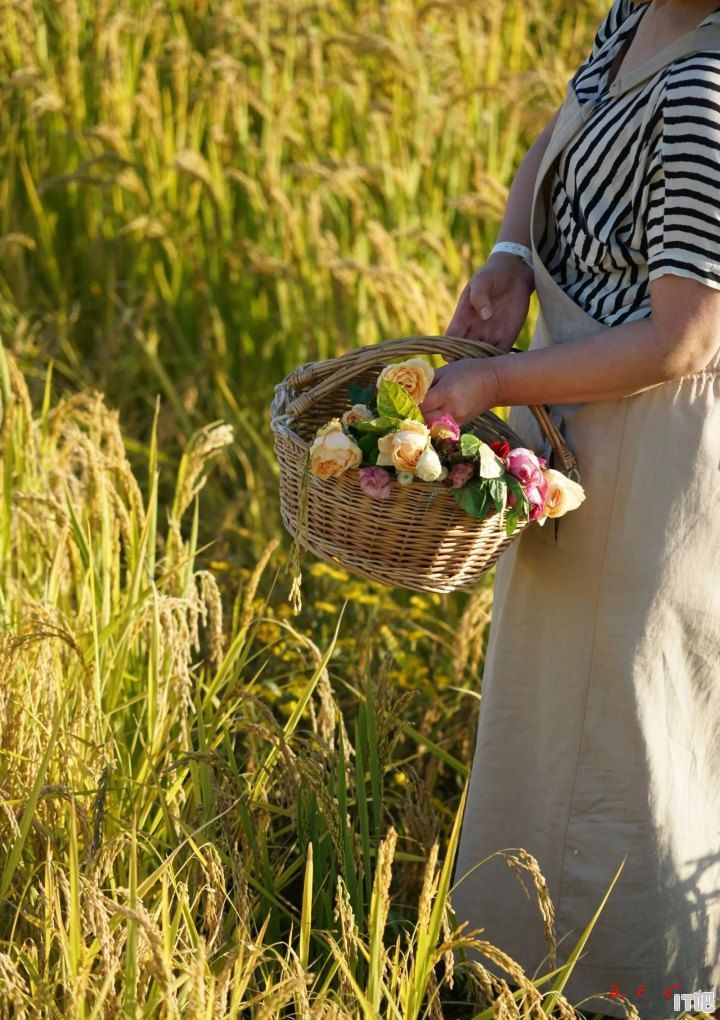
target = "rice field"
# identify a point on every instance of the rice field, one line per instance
(210, 805)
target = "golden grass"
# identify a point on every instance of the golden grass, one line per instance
(209, 807)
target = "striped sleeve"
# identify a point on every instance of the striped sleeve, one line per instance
(683, 226)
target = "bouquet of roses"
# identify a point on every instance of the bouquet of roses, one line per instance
(384, 435)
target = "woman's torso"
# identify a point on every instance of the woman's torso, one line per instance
(637, 191)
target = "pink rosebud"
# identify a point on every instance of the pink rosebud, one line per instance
(535, 495)
(459, 474)
(524, 465)
(375, 482)
(445, 427)
(536, 498)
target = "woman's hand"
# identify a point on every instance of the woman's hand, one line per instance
(494, 305)
(464, 388)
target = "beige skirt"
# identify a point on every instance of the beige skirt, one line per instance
(600, 709)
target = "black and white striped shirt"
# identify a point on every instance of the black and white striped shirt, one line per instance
(636, 193)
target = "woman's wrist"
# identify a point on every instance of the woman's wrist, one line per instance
(521, 251)
(519, 267)
(495, 388)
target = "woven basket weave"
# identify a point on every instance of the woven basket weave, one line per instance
(419, 538)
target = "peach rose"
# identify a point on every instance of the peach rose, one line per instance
(334, 425)
(563, 494)
(332, 452)
(414, 375)
(358, 412)
(403, 449)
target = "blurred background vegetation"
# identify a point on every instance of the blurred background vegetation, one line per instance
(196, 196)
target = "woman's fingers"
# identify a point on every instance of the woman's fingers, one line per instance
(481, 286)
(474, 307)
(461, 321)
(435, 396)
(432, 416)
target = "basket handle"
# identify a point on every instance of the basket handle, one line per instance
(318, 378)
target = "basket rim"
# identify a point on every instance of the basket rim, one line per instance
(508, 433)
(296, 393)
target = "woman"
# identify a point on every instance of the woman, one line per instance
(598, 735)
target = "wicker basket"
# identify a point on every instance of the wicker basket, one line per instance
(418, 539)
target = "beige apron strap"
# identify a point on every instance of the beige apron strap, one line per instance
(571, 119)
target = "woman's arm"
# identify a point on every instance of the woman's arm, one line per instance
(516, 221)
(680, 336)
(494, 304)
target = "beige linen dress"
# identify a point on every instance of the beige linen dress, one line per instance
(600, 711)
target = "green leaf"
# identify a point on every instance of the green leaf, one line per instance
(470, 445)
(516, 488)
(564, 976)
(361, 394)
(521, 508)
(498, 491)
(511, 520)
(395, 402)
(490, 464)
(369, 446)
(474, 497)
(381, 425)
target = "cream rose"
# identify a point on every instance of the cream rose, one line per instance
(563, 494)
(428, 467)
(403, 448)
(358, 412)
(332, 453)
(414, 375)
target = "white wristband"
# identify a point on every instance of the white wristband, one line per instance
(511, 248)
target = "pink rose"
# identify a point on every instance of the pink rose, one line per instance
(525, 466)
(375, 482)
(445, 427)
(459, 474)
(536, 498)
(535, 495)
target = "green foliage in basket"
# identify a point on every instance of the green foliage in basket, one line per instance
(489, 464)
(395, 402)
(378, 426)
